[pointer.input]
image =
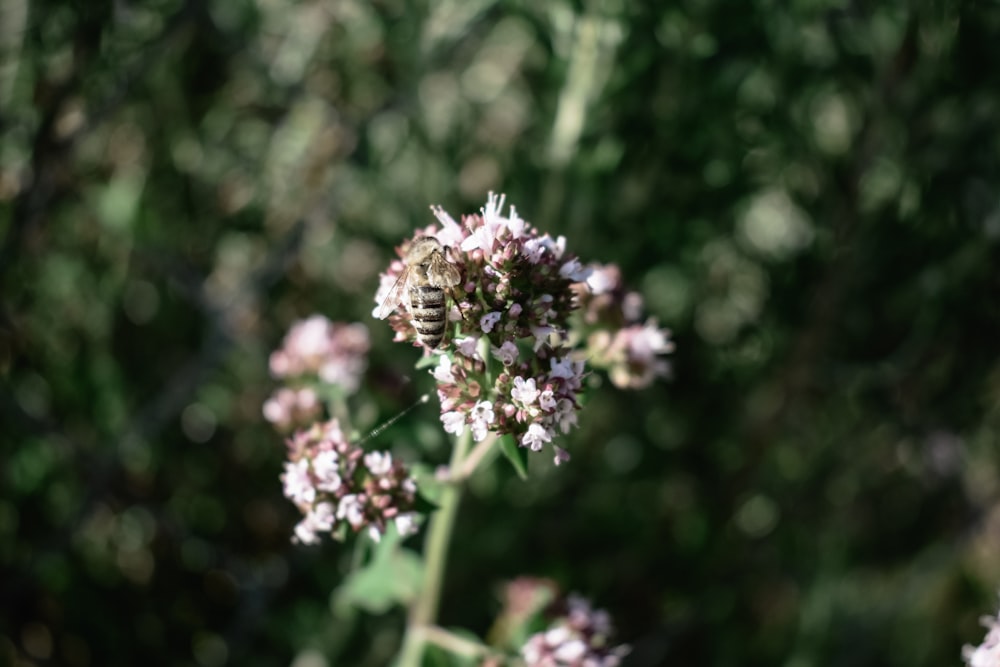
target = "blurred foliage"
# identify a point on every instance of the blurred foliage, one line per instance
(805, 192)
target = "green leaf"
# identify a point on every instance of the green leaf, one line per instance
(518, 456)
(392, 577)
(428, 361)
(428, 483)
(422, 505)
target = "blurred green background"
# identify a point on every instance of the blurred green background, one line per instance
(807, 193)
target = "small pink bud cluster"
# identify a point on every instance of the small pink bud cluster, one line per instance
(287, 407)
(333, 351)
(511, 371)
(339, 487)
(315, 351)
(986, 654)
(617, 339)
(579, 638)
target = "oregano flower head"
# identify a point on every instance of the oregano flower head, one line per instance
(316, 354)
(339, 488)
(513, 362)
(510, 369)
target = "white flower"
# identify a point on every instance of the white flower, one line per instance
(547, 400)
(327, 469)
(342, 371)
(565, 415)
(482, 416)
(484, 237)
(298, 484)
(546, 299)
(319, 519)
(561, 368)
(454, 422)
(276, 409)
(467, 346)
(567, 369)
(524, 391)
(536, 247)
(570, 651)
(558, 635)
(494, 205)
(488, 321)
(573, 270)
(442, 372)
(378, 463)
(562, 456)
(322, 516)
(305, 533)
(311, 337)
(603, 279)
(406, 524)
(541, 336)
(986, 654)
(515, 224)
(351, 510)
(647, 341)
(536, 437)
(306, 399)
(506, 353)
(451, 233)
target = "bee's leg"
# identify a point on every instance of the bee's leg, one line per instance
(458, 304)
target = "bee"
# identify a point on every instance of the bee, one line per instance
(426, 275)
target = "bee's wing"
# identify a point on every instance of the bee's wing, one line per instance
(443, 273)
(394, 297)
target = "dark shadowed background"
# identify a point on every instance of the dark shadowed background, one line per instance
(805, 192)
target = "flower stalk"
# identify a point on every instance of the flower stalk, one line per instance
(424, 611)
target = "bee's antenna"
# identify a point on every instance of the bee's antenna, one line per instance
(384, 425)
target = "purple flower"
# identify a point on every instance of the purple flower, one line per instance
(467, 346)
(488, 321)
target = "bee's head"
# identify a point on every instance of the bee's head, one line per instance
(422, 248)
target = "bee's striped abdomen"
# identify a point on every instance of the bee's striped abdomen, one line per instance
(427, 313)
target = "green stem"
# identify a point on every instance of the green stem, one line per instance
(423, 613)
(456, 645)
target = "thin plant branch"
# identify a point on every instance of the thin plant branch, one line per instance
(424, 611)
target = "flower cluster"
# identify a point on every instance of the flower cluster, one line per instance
(339, 487)
(512, 370)
(333, 351)
(578, 638)
(616, 338)
(315, 352)
(287, 407)
(986, 654)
